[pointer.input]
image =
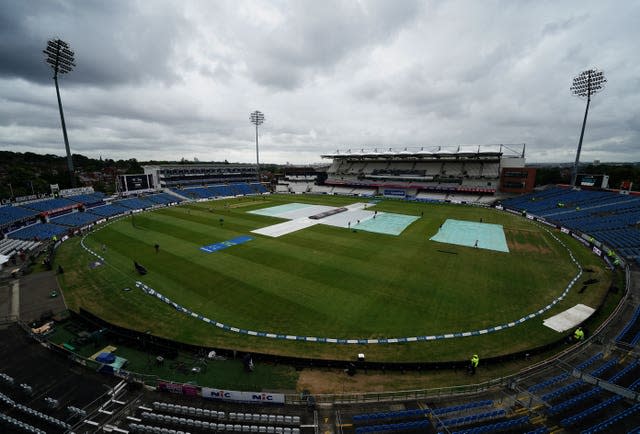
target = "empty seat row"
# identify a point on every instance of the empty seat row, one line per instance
(498, 426)
(402, 414)
(265, 418)
(605, 367)
(605, 425)
(455, 408)
(42, 416)
(571, 402)
(135, 427)
(175, 420)
(472, 418)
(10, 421)
(562, 391)
(549, 382)
(6, 400)
(188, 411)
(572, 420)
(421, 425)
(6, 378)
(622, 337)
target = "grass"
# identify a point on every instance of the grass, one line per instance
(326, 281)
(228, 374)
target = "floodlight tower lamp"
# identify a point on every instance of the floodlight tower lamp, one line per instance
(588, 83)
(257, 118)
(61, 59)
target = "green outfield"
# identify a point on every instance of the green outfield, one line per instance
(328, 281)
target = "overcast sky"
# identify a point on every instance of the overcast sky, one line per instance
(167, 80)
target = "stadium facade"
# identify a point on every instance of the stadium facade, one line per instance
(184, 175)
(416, 172)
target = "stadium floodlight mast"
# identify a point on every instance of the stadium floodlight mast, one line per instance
(584, 85)
(60, 58)
(257, 118)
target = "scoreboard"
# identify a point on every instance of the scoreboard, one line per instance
(592, 181)
(132, 183)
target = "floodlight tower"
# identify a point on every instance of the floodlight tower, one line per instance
(60, 58)
(257, 118)
(584, 85)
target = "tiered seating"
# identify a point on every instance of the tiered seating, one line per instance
(298, 187)
(39, 231)
(472, 418)
(549, 382)
(11, 422)
(195, 192)
(9, 246)
(242, 188)
(50, 204)
(589, 412)
(321, 189)
(607, 216)
(259, 188)
(220, 190)
(109, 210)
(10, 214)
(390, 415)
(364, 192)
(510, 424)
(76, 219)
(88, 199)
(342, 190)
(421, 425)
(462, 407)
(186, 410)
(162, 198)
(7, 401)
(631, 332)
(43, 417)
(197, 418)
(608, 424)
(135, 203)
(562, 377)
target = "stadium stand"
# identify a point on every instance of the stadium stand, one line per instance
(162, 198)
(194, 192)
(39, 231)
(135, 203)
(259, 188)
(242, 188)
(631, 333)
(76, 219)
(12, 214)
(51, 204)
(88, 199)
(608, 217)
(9, 246)
(221, 190)
(109, 210)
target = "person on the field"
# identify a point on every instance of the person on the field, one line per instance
(473, 364)
(578, 335)
(157, 247)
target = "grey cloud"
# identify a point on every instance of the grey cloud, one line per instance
(317, 35)
(113, 43)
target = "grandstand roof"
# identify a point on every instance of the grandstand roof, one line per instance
(516, 150)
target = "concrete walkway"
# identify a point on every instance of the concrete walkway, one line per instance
(15, 299)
